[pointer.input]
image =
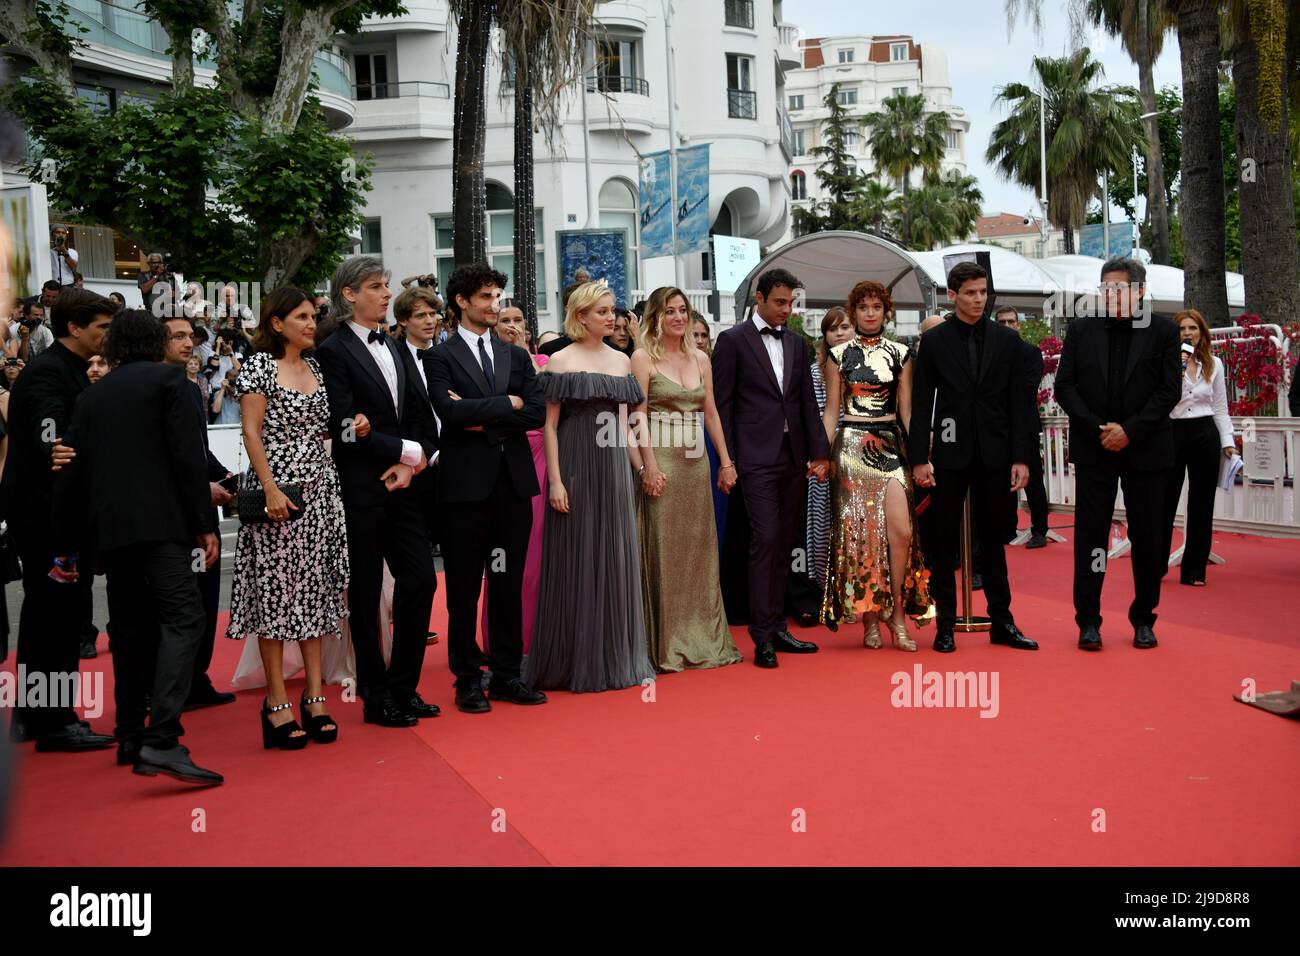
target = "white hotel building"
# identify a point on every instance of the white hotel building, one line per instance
(389, 89)
(868, 70)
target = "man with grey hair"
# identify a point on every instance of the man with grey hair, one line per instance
(365, 376)
(63, 258)
(1118, 381)
(157, 286)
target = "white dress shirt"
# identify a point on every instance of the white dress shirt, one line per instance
(411, 450)
(419, 367)
(1202, 399)
(472, 339)
(775, 349)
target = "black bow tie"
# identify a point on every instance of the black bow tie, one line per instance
(777, 333)
(375, 336)
(421, 353)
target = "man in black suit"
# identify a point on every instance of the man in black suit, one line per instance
(775, 440)
(416, 312)
(179, 349)
(1118, 380)
(1035, 492)
(138, 491)
(40, 411)
(969, 393)
(366, 375)
(487, 397)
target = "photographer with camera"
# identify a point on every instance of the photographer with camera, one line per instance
(29, 336)
(156, 283)
(63, 258)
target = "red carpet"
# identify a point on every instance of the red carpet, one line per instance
(722, 764)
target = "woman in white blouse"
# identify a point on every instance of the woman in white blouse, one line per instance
(1202, 435)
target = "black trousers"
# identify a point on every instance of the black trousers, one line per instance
(775, 497)
(158, 620)
(49, 630)
(1036, 495)
(1144, 492)
(486, 536)
(209, 583)
(392, 532)
(988, 492)
(1198, 453)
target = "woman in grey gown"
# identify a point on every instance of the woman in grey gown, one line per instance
(589, 633)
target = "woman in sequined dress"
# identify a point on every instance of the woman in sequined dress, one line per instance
(875, 568)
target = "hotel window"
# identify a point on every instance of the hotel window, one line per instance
(848, 97)
(798, 185)
(742, 101)
(618, 67)
(846, 56)
(851, 138)
(796, 102)
(900, 91)
(501, 249)
(797, 143)
(618, 210)
(371, 242)
(897, 51)
(951, 137)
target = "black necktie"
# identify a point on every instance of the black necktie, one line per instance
(375, 336)
(776, 333)
(486, 361)
(972, 353)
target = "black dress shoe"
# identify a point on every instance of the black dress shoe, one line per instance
(1011, 636)
(416, 707)
(20, 731)
(1090, 639)
(789, 644)
(128, 753)
(1036, 541)
(88, 650)
(174, 762)
(208, 697)
(807, 620)
(944, 642)
(765, 655)
(515, 691)
(470, 700)
(1143, 637)
(74, 737)
(383, 710)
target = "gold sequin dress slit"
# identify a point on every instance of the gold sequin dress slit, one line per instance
(859, 576)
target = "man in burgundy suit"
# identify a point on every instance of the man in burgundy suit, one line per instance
(763, 388)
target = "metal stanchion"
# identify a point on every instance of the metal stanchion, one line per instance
(968, 622)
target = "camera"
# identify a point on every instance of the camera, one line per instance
(30, 324)
(11, 363)
(428, 282)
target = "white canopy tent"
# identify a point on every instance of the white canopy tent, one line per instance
(829, 264)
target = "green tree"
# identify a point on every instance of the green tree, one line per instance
(903, 137)
(1090, 128)
(288, 192)
(842, 181)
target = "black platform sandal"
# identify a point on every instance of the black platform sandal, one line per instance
(316, 725)
(281, 737)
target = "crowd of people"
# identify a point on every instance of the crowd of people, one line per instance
(588, 494)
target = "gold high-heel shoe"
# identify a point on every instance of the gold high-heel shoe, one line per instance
(871, 632)
(899, 632)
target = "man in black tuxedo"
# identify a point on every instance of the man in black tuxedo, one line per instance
(416, 312)
(365, 374)
(179, 349)
(488, 398)
(138, 491)
(775, 440)
(40, 411)
(1118, 380)
(969, 393)
(1035, 492)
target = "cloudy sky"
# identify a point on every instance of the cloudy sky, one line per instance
(981, 59)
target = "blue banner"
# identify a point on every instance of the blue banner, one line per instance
(1091, 242)
(692, 213)
(602, 252)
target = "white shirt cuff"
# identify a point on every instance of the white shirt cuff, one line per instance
(411, 453)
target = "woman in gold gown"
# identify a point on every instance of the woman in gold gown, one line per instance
(876, 568)
(684, 620)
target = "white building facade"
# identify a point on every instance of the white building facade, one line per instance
(868, 69)
(728, 58)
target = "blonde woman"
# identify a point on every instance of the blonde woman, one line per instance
(589, 633)
(1202, 435)
(684, 627)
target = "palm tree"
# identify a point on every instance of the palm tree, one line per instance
(966, 200)
(1142, 26)
(1201, 199)
(1270, 259)
(872, 208)
(1090, 129)
(903, 138)
(930, 216)
(468, 193)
